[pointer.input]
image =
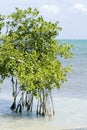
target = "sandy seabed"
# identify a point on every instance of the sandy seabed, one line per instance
(70, 114)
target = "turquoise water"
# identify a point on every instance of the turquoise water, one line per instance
(77, 80)
(70, 101)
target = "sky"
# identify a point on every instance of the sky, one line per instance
(71, 14)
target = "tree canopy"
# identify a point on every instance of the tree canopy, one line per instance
(29, 53)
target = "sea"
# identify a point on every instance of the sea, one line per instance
(70, 101)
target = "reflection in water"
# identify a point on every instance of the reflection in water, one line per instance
(69, 114)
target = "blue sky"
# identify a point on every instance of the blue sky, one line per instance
(71, 14)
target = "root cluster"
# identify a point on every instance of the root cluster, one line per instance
(24, 100)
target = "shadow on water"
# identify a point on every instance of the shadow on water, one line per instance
(6, 101)
(14, 121)
(6, 112)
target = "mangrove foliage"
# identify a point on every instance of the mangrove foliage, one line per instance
(29, 57)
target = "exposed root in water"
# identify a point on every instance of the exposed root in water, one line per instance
(45, 104)
(44, 101)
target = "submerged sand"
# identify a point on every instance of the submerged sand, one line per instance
(70, 114)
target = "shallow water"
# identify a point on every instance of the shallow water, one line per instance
(70, 101)
(70, 113)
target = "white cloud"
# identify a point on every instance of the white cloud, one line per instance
(50, 12)
(81, 7)
(52, 9)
